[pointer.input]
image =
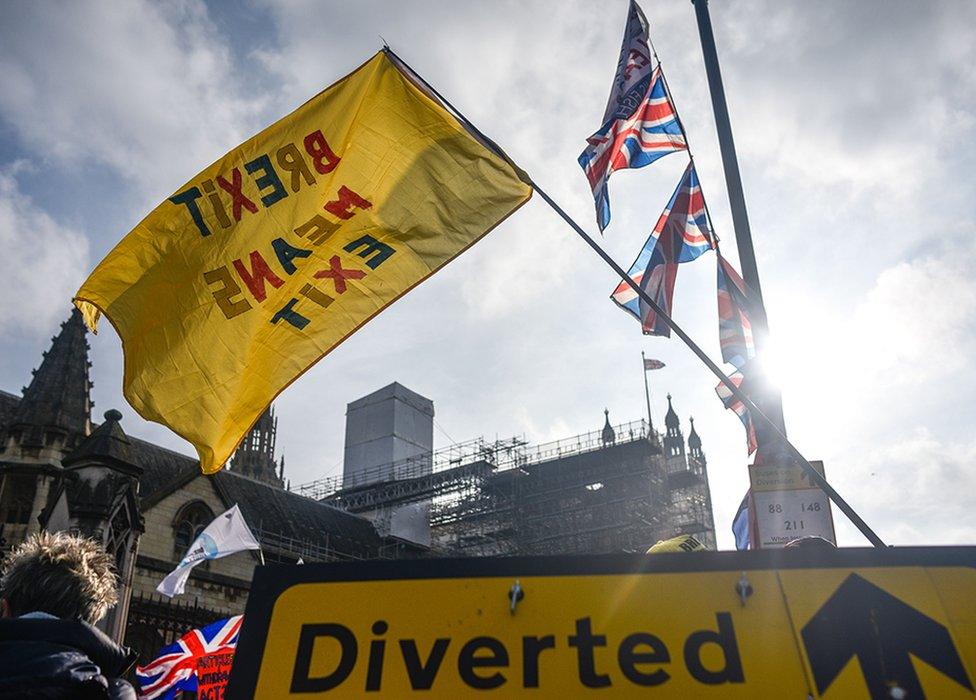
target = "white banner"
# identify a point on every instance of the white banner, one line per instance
(228, 533)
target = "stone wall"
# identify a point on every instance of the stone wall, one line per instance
(220, 584)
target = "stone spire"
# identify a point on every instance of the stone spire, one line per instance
(674, 442)
(671, 420)
(55, 411)
(608, 436)
(695, 445)
(255, 455)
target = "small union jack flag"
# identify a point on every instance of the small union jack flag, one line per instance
(640, 124)
(735, 309)
(175, 668)
(680, 235)
(730, 401)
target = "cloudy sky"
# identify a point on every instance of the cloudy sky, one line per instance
(855, 129)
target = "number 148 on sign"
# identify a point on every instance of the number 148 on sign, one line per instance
(783, 516)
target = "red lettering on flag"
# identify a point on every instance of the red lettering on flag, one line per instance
(234, 189)
(259, 274)
(323, 158)
(347, 200)
(338, 274)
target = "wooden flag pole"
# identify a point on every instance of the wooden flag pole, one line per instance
(646, 298)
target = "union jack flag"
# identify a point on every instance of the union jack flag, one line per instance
(650, 364)
(176, 666)
(680, 235)
(633, 67)
(735, 308)
(730, 401)
(640, 124)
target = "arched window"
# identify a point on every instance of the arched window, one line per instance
(189, 522)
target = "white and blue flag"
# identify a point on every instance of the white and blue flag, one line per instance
(228, 533)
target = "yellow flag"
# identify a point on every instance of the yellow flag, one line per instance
(272, 256)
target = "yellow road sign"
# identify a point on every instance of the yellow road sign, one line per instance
(778, 623)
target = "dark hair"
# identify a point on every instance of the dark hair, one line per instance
(65, 575)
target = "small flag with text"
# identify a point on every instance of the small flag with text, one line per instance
(228, 533)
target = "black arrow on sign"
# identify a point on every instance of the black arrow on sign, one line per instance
(865, 621)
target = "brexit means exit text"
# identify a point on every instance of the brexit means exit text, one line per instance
(240, 284)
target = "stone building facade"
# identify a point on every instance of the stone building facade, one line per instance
(146, 504)
(59, 470)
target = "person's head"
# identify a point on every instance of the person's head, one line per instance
(68, 576)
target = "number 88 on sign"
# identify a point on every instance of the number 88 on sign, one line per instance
(783, 516)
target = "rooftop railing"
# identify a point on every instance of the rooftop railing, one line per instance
(500, 454)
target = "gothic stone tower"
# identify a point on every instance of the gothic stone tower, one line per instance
(255, 455)
(674, 442)
(51, 418)
(691, 510)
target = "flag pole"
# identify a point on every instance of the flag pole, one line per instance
(646, 298)
(647, 395)
(738, 393)
(773, 402)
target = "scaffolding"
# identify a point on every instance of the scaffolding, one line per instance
(584, 494)
(279, 548)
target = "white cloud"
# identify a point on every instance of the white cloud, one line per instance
(877, 392)
(854, 123)
(44, 262)
(913, 330)
(849, 103)
(917, 324)
(537, 434)
(913, 490)
(148, 89)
